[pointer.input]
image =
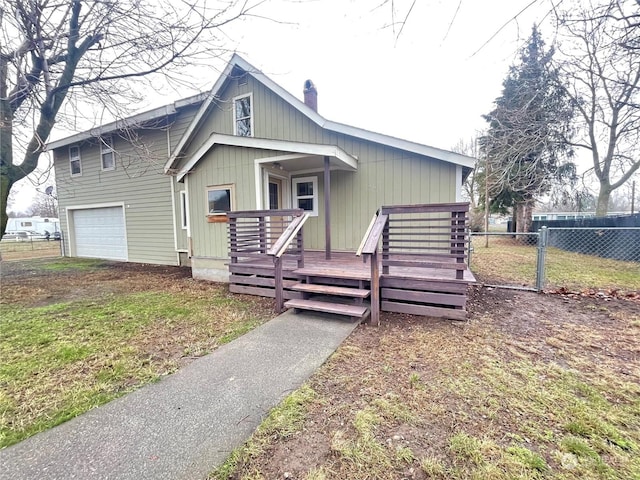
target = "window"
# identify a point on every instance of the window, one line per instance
(74, 161)
(183, 209)
(26, 224)
(220, 199)
(243, 116)
(305, 194)
(107, 154)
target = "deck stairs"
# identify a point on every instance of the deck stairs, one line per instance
(333, 291)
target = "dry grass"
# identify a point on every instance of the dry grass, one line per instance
(511, 262)
(521, 391)
(12, 250)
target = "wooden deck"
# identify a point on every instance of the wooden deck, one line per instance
(348, 265)
(419, 269)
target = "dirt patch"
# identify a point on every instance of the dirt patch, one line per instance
(420, 382)
(41, 282)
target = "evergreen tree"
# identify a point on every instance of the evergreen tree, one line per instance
(525, 145)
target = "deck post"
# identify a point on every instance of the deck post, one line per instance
(385, 247)
(277, 262)
(457, 237)
(300, 247)
(375, 288)
(233, 238)
(327, 209)
(262, 231)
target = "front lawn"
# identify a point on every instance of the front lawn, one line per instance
(77, 333)
(532, 387)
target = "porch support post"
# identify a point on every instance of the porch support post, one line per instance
(327, 209)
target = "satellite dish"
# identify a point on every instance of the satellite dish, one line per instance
(48, 190)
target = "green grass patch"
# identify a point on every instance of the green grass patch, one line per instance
(599, 430)
(70, 263)
(63, 359)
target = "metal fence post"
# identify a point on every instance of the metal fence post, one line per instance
(542, 253)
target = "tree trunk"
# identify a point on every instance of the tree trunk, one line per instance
(523, 215)
(6, 144)
(5, 187)
(602, 207)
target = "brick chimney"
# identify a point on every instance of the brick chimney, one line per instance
(310, 95)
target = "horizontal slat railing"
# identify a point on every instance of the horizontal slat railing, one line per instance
(426, 236)
(253, 232)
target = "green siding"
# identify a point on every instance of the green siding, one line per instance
(222, 165)
(385, 175)
(138, 182)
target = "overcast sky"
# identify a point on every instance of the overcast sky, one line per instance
(429, 83)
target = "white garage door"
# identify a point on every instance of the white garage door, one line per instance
(100, 233)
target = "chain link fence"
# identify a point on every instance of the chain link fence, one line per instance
(12, 249)
(573, 258)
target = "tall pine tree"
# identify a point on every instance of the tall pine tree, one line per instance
(525, 145)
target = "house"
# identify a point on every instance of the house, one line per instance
(159, 187)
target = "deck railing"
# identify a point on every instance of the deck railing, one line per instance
(369, 248)
(415, 237)
(426, 236)
(280, 247)
(253, 232)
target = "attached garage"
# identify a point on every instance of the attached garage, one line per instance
(99, 233)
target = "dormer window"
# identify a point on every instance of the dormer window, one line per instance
(243, 116)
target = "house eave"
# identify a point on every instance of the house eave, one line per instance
(347, 161)
(129, 122)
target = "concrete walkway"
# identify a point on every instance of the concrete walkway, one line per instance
(187, 424)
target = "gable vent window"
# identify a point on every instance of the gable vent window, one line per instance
(107, 154)
(243, 116)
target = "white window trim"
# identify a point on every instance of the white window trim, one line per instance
(184, 218)
(72, 159)
(106, 146)
(231, 187)
(315, 196)
(235, 123)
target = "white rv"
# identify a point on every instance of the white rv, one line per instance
(41, 225)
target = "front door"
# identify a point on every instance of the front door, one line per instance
(275, 193)
(275, 203)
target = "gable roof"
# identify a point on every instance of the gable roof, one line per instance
(238, 62)
(133, 121)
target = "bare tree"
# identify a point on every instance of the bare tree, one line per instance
(54, 55)
(473, 186)
(600, 46)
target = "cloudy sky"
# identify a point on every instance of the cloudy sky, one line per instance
(429, 82)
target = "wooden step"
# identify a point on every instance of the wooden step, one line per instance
(333, 273)
(357, 311)
(331, 290)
